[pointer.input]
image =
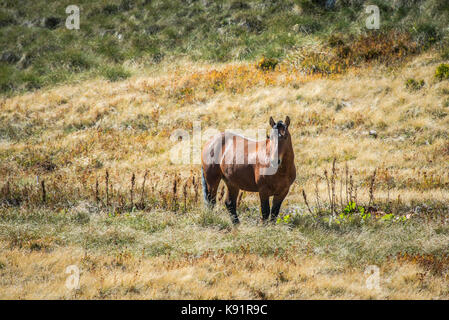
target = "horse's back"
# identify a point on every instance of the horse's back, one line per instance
(229, 154)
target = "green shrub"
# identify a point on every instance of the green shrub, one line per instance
(78, 61)
(5, 77)
(110, 9)
(72, 60)
(6, 19)
(442, 72)
(414, 85)
(266, 64)
(31, 80)
(340, 53)
(115, 73)
(426, 34)
(111, 49)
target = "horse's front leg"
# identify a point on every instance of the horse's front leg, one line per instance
(277, 202)
(231, 203)
(264, 205)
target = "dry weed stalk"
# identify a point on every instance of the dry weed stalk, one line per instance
(333, 186)
(371, 189)
(317, 194)
(195, 185)
(142, 195)
(305, 200)
(175, 190)
(184, 192)
(346, 180)
(97, 195)
(341, 192)
(328, 186)
(133, 183)
(107, 188)
(44, 192)
(351, 188)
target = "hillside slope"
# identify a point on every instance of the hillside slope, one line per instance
(86, 161)
(91, 143)
(77, 131)
(118, 37)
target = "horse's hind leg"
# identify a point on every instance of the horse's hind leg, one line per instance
(231, 203)
(211, 179)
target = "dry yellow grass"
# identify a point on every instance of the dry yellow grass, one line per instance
(69, 136)
(41, 275)
(126, 126)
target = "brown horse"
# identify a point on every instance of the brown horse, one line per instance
(266, 167)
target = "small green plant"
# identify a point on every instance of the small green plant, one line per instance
(285, 219)
(387, 217)
(390, 217)
(267, 64)
(442, 72)
(352, 213)
(353, 208)
(414, 85)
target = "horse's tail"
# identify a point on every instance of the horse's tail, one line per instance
(206, 194)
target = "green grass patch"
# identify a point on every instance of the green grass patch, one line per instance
(209, 218)
(414, 85)
(115, 73)
(353, 242)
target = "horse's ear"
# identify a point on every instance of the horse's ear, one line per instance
(272, 123)
(287, 121)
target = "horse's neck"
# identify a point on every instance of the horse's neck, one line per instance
(289, 155)
(288, 159)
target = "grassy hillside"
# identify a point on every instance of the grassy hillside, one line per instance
(86, 176)
(87, 180)
(116, 38)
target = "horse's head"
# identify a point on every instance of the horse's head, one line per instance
(280, 137)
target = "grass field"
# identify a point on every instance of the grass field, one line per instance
(147, 236)
(86, 176)
(199, 256)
